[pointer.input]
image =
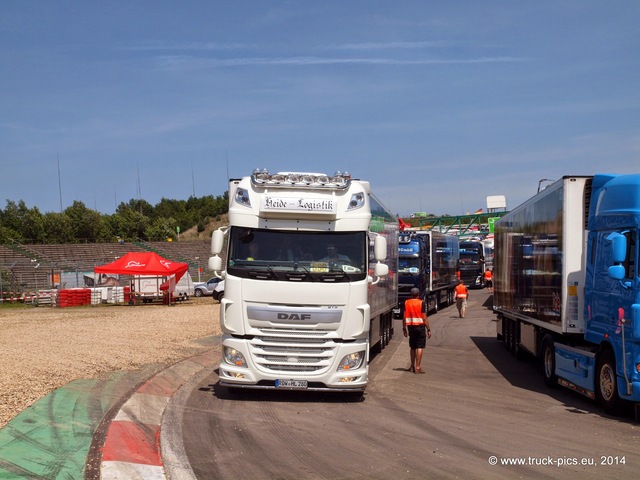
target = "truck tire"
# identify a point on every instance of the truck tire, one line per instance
(375, 344)
(516, 349)
(378, 347)
(386, 334)
(506, 333)
(513, 331)
(548, 356)
(500, 335)
(511, 336)
(607, 382)
(387, 328)
(385, 331)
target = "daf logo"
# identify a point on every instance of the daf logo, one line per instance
(294, 316)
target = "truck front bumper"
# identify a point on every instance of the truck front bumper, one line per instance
(329, 378)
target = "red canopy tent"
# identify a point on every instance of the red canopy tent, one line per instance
(144, 263)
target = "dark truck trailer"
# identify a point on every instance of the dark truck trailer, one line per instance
(566, 285)
(472, 263)
(427, 261)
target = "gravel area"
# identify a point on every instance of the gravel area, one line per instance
(44, 348)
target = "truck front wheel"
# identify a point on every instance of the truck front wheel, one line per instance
(607, 382)
(549, 362)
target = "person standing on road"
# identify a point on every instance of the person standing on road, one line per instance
(460, 295)
(488, 280)
(415, 325)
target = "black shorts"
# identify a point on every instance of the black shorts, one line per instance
(417, 336)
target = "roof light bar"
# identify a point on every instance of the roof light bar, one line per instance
(339, 180)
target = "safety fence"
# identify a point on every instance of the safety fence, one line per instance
(40, 297)
(69, 297)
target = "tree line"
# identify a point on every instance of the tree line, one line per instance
(136, 219)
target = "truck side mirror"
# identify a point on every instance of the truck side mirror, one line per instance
(217, 241)
(618, 246)
(380, 248)
(381, 270)
(215, 263)
(616, 272)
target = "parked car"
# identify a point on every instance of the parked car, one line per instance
(206, 288)
(153, 287)
(218, 292)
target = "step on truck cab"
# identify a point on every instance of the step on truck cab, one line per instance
(566, 285)
(310, 281)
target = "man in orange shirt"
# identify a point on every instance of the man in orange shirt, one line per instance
(460, 295)
(488, 280)
(416, 326)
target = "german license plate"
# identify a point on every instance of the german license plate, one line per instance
(292, 383)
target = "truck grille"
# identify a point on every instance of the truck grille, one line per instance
(284, 351)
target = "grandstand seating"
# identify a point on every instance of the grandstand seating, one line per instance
(30, 267)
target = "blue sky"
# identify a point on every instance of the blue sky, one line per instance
(437, 103)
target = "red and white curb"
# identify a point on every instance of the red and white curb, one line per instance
(132, 444)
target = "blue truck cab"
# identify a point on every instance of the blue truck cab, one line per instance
(427, 260)
(566, 285)
(612, 285)
(413, 267)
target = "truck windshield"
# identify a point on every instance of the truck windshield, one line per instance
(470, 254)
(295, 255)
(409, 265)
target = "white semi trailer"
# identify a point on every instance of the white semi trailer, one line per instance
(566, 285)
(307, 295)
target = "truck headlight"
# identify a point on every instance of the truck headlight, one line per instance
(234, 357)
(351, 361)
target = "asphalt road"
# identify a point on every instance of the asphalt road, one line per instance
(477, 413)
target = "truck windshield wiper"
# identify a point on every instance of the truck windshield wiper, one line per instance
(299, 273)
(333, 277)
(266, 273)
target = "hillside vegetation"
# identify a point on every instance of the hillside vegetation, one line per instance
(194, 218)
